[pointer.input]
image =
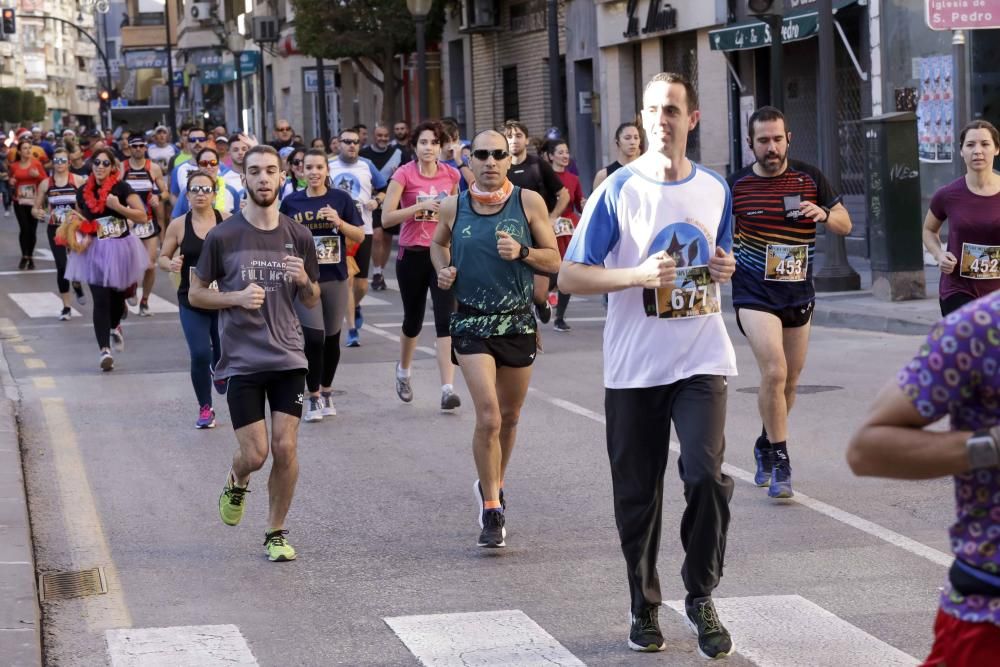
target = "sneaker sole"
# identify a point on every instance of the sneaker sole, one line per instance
(451, 405)
(201, 427)
(694, 629)
(781, 495)
(492, 545)
(107, 364)
(649, 648)
(313, 420)
(282, 559)
(329, 413)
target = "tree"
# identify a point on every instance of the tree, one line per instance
(376, 30)
(10, 105)
(27, 106)
(40, 109)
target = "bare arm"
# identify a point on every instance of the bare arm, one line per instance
(200, 296)
(562, 201)
(392, 215)
(839, 220)
(599, 178)
(171, 242)
(132, 209)
(544, 257)
(38, 209)
(441, 243)
(893, 443)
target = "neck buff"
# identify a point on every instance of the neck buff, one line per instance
(492, 198)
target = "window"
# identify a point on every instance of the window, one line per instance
(511, 109)
(81, 64)
(150, 12)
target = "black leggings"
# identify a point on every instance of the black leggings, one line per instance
(563, 298)
(415, 275)
(323, 354)
(109, 306)
(59, 254)
(954, 302)
(27, 224)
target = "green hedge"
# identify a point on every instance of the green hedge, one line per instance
(20, 106)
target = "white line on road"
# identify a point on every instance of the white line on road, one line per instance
(156, 305)
(506, 638)
(370, 300)
(21, 273)
(44, 254)
(790, 631)
(193, 645)
(395, 338)
(875, 530)
(40, 304)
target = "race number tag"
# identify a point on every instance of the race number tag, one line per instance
(787, 263)
(110, 227)
(144, 230)
(563, 227)
(693, 295)
(424, 215)
(980, 262)
(214, 285)
(327, 249)
(59, 214)
(26, 194)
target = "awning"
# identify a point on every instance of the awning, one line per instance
(754, 33)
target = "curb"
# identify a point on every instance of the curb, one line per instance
(20, 627)
(824, 316)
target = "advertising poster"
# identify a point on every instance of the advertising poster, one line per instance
(936, 110)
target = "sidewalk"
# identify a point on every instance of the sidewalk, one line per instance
(20, 635)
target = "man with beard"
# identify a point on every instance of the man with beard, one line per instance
(262, 261)
(401, 137)
(146, 180)
(777, 204)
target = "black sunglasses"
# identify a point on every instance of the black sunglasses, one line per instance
(297, 162)
(350, 142)
(102, 163)
(197, 140)
(497, 154)
(284, 129)
(59, 160)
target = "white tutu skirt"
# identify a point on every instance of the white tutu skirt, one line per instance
(116, 263)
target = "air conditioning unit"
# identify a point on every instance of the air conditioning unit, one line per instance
(265, 29)
(200, 11)
(480, 16)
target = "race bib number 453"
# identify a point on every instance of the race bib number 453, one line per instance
(787, 263)
(692, 295)
(980, 262)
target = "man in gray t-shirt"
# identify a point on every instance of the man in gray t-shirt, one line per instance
(262, 262)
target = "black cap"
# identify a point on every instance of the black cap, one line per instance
(137, 140)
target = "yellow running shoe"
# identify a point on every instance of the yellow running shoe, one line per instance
(231, 502)
(278, 548)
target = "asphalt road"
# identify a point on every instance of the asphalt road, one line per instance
(384, 520)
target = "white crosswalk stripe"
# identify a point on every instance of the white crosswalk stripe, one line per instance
(156, 305)
(39, 304)
(790, 631)
(508, 638)
(370, 300)
(187, 646)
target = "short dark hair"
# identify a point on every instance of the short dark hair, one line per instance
(427, 126)
(352, 130)
(512, 124)
(315, 152)
(197, 129)
(186, 127)
(361, 126)
(551, 145)
(261, 149)
(203, 150)
(450, 128)
(624, 126)
(674, 77)
(200, 173)
(980, 125)
(765, 114)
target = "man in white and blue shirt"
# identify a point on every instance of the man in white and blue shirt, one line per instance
(657, 237)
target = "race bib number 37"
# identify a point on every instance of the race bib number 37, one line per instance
(787, 263)
(980, 262)
(563, 227)
(693, 295)
(327, 249)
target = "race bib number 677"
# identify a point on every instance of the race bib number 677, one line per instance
(693, 294)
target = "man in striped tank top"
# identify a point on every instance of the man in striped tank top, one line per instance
(488, 244)
(146, 179)
(777, 204)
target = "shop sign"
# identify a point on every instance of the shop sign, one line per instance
(146, 59)
(962, 14)
(754, 33)
(660, 16)
(625, 21)
(311, 80)
(528, 16)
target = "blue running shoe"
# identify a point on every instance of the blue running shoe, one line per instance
(781, 481)
(353, 340)
(764, 456)
(359, 319)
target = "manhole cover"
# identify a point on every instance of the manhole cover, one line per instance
(802, 389)
(61, 585)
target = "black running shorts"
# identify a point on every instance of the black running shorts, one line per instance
(283, 391)
(514, 351)
(791, 317)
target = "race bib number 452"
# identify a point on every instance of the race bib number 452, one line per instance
(787, 263)
(692, 295)
(980, 262)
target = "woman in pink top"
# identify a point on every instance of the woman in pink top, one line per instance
(413, 200)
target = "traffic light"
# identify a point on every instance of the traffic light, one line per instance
(761, 7)
(105, 96)
(7, 24)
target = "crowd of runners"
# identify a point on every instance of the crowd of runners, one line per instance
(272, 248)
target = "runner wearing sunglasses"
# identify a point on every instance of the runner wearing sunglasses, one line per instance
(491, 240)
(146, 180)
(227, 198)
(196, 140)
(414, 200)
(57, 196)
(296, 173)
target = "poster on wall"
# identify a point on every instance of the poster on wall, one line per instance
(936, 110)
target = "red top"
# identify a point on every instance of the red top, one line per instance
(24, 183)
(572, 184)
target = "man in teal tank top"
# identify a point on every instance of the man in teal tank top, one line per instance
(489, 243)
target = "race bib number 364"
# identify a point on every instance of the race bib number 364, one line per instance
(787, 263)
(110, 227)
(980, 262)
(692, 295)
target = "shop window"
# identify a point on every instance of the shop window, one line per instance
(511, 108)
(150, 12)
(680, 55)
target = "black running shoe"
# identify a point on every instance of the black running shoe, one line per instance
(713, 639)
(493, 533)
(645, 635)
(378, 283)
(763, 456)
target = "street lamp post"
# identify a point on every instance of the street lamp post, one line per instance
(419, 9)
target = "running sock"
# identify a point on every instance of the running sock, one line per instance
(763, 431)
(447, 388)
(491, 505)
(377, 270)
(780, 451)
(402, 372)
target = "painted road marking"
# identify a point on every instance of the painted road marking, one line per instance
(508, 638)
(85, 534)
(40, 304)
(789, 631)
(864, 525)
(34, 364)
(370, 300)
(21, 273)
(201, 645)
(395, 338)
(44, 382)
(24, 349)
(156, 305)
(44, 254)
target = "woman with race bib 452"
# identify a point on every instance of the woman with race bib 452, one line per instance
(112, 258)
(970, 263)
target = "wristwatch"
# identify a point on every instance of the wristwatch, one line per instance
(523, 254)
(984, 449)
(827, 212)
